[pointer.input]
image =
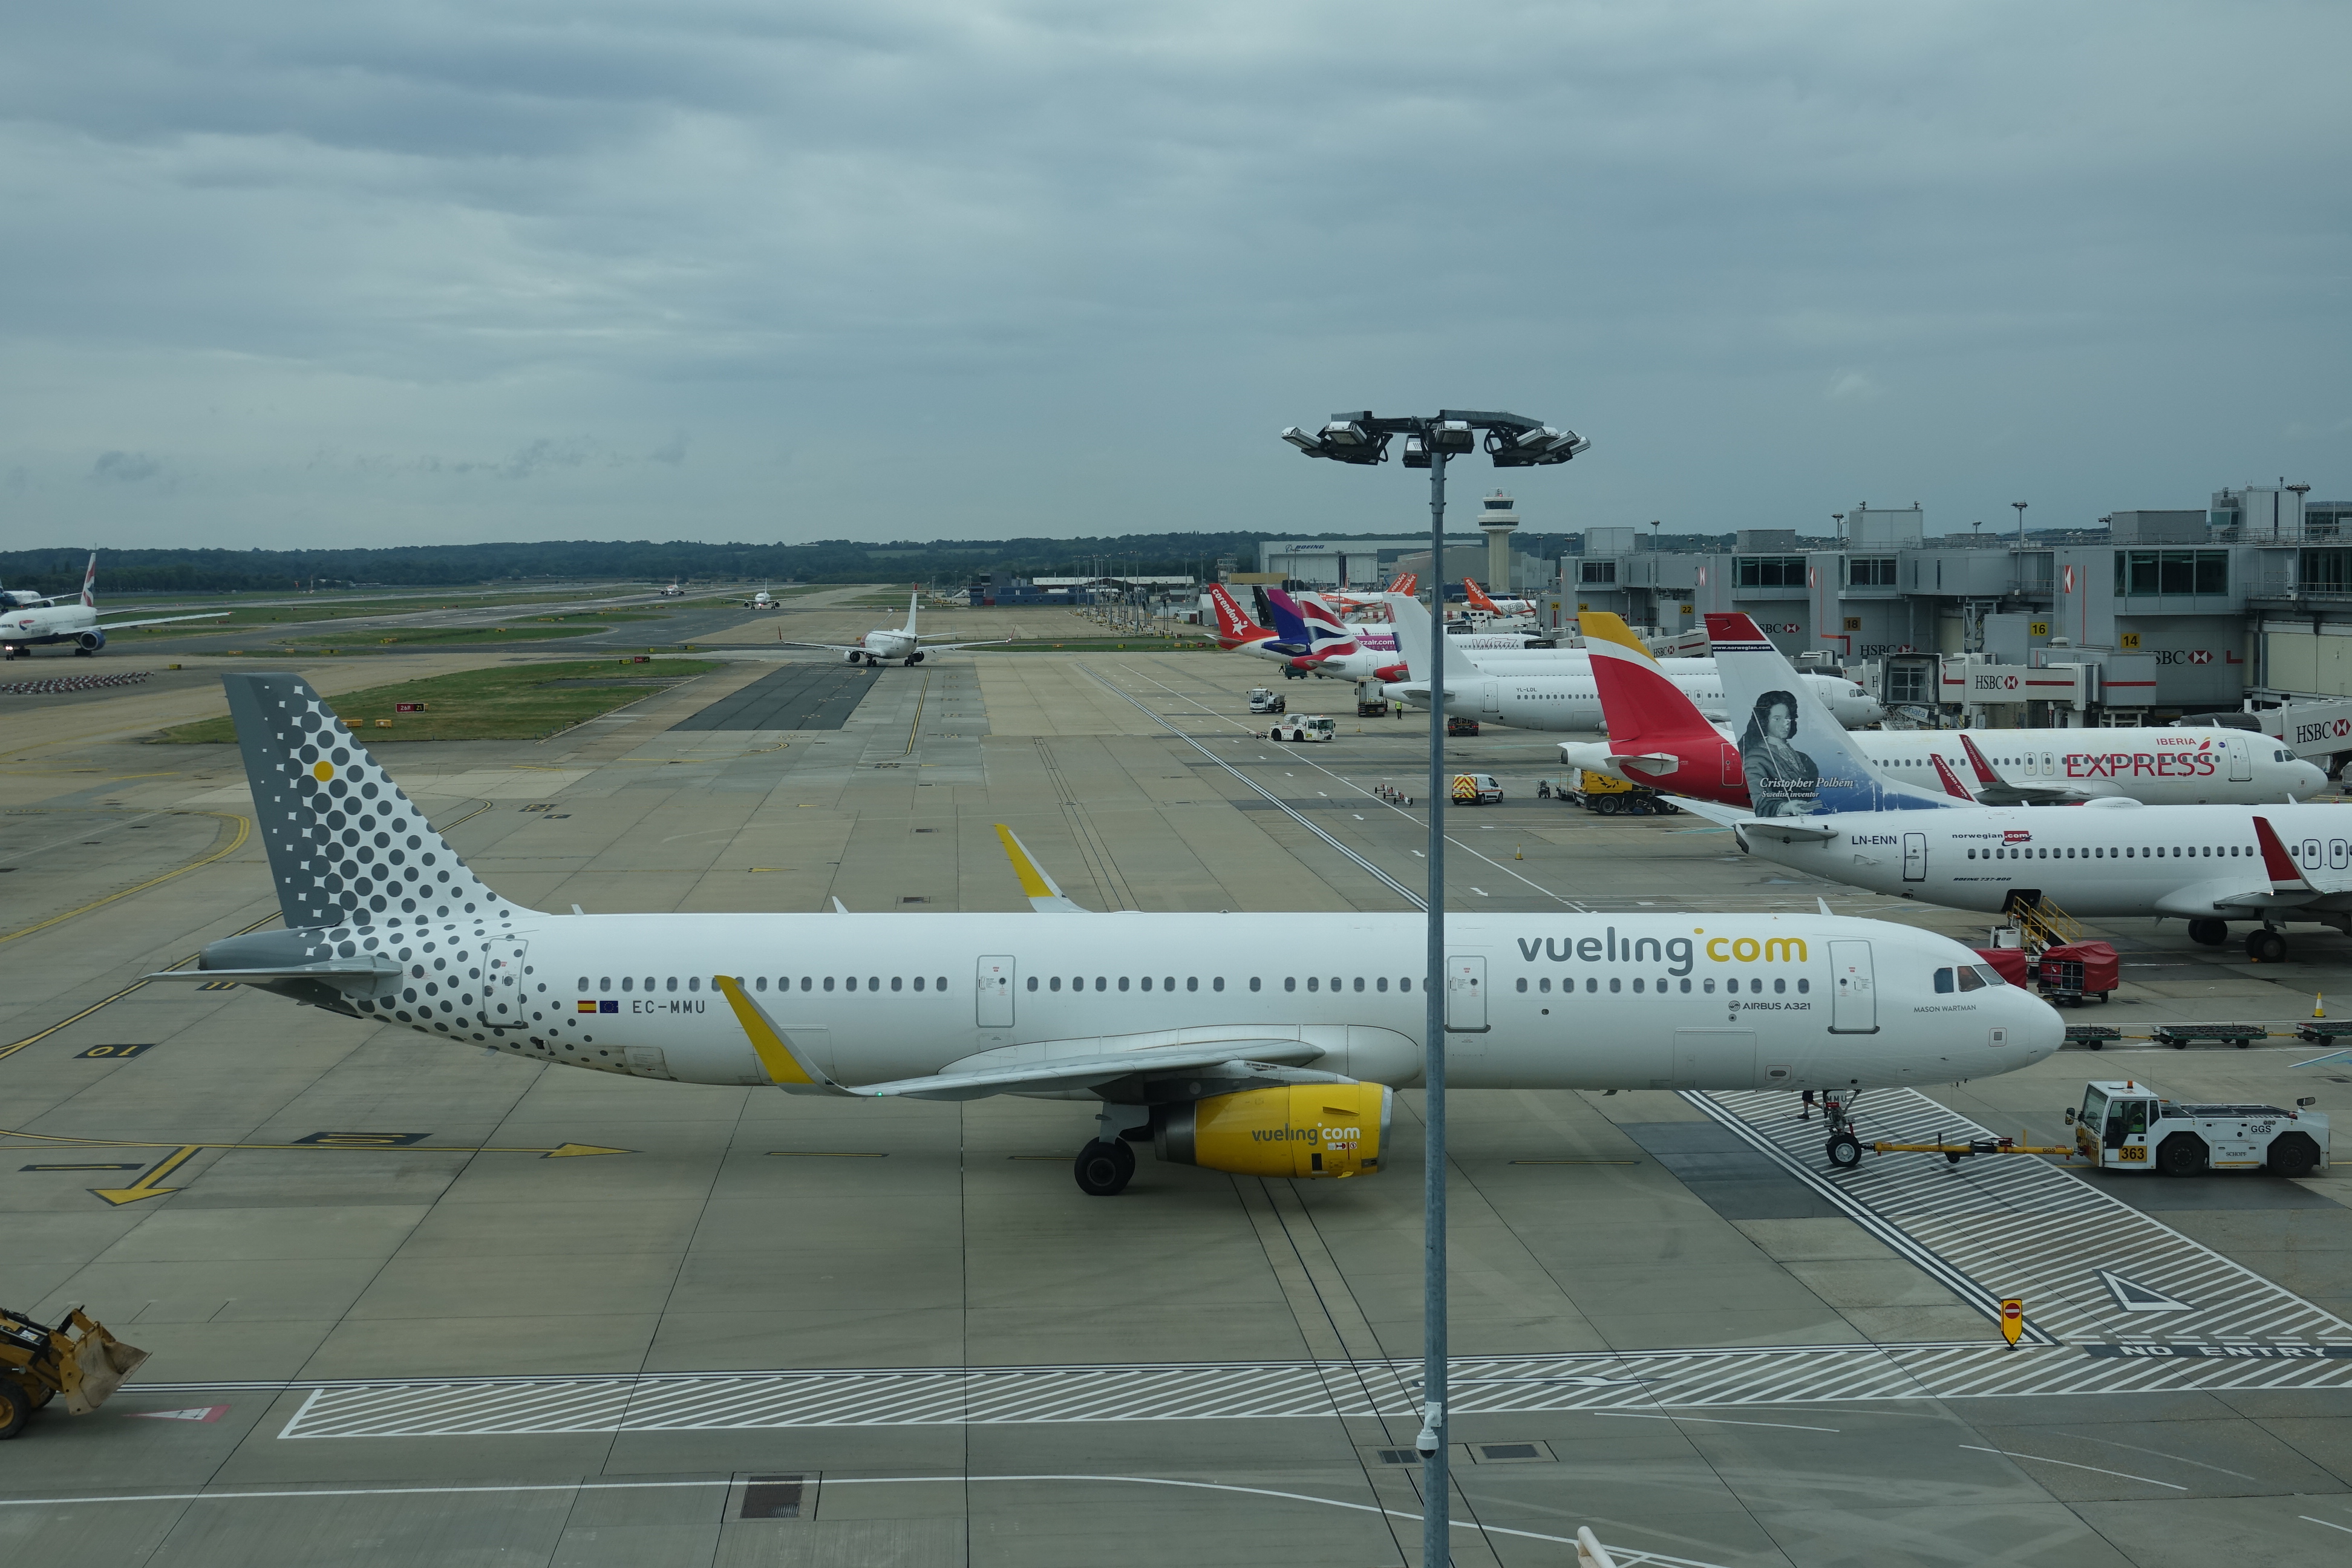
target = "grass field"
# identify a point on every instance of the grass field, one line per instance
(512, 703)
(536, 628)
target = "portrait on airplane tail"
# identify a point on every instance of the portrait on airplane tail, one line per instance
(1781, 780)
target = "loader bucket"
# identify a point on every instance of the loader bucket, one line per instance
(96, 1367)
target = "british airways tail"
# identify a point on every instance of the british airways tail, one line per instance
(1314, 637)
(1796, 756)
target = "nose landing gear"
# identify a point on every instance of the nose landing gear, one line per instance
(1844, 1149)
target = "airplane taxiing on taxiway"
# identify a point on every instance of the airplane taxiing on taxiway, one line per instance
(886, 644)
(1257, 1044)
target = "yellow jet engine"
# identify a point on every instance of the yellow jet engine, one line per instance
(1299, 1130)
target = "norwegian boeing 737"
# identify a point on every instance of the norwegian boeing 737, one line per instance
(1256, 1044)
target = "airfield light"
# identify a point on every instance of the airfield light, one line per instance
(1512, 442)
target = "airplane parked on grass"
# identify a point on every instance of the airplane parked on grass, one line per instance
(1658, 737)
(1818, 805)
(902, 644)
(28, 622)
(1254, 1044)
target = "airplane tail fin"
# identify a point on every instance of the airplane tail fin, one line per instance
(1289, 626)
(914, 603)
(90, 582)
(1797, 757)
(1951, 780)
(1406, 582)
(2286, 876)
(1641, 706)
(346, 847)
(1478, 600)
(1233, 626)
(1978, 761)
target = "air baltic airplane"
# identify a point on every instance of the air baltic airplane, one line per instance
(1559, 693)
(905, 644)
(1254, 1044)
(1658, 737)
(29, 622)
(1818, 805)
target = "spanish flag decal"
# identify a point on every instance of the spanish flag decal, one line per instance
(587, 1006)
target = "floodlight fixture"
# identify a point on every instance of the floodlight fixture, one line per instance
(1416, 452)
(1303, 441)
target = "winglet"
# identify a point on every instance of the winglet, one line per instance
(1951, 780)
(1045, 894)
(2286, 877)
(786, 1066)
(1985, 774)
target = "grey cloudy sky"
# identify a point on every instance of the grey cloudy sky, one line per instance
(277, 274)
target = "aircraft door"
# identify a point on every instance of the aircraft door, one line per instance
(1915, 857)
(1465, 994)
(2242, 760)
(1853, 1010)
(503, 993)
(993, 992)
(1490, 698)
(1735, 776)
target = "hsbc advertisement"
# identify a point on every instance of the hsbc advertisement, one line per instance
(2200, 660)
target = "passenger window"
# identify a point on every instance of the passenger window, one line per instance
(694, 982)
(1192, 983)
(671, 983)
(804, 983)
(1314, 982)
(873, 983)
(1123, 982)
(628, 981)
(1382, 984)
(1147, 984)
(849, 983)
(1054, 984)
(1708, 986)
(1404, 984)
(1360, 983)
(1290, 983)
(761, 983)
(583, 984)
(918, 983)
(1686, 987)
(1804, 986)
(1254, 983)
(1943, 981)
(603, 984)
(1168, 982)
(940, 984)
(1544, 985)
(1100, 984)
(828, 982)
(1523, 983)
(1615, 983)
(1637, 987)
(1032, 983)
(1781, 988)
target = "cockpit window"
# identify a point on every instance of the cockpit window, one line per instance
(1991, 976)
(1969, 979)
(1943, 981)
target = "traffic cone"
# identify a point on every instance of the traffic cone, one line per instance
(1517, 852)
(2318, 1011)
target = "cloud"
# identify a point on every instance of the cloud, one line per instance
(129, 468)
(1008, 265)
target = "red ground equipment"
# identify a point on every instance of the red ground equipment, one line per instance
(2073, 973)
(2010, 961)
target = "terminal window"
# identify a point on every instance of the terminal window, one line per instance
(1771, 571)
(1597, 571)
(1871, 571)
(2172, 572)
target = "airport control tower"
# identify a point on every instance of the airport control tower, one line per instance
(1497, 522)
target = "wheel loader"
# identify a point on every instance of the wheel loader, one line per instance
(77, 1359)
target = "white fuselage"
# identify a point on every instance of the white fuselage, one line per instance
(888, 643)
(1561, 695)
(1568, 1001)
(2154, 766)
(27, 626)
(2102, 860)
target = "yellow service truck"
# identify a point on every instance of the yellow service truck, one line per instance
(1607, 794)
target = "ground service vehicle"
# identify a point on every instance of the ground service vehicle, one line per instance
(1261, 700)
(1455, 724)
(77, 1359)
(2128, 1126)
(1608, 794)
(1476, 789)
(1306, 727)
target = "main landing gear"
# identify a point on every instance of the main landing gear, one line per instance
(1105, 1169)
(1106, 1164)
(2264, 945)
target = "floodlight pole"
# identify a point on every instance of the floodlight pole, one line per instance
(1436, 1496)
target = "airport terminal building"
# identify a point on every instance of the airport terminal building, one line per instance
(2154, 615)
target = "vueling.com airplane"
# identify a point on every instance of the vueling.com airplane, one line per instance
(1254, 1044)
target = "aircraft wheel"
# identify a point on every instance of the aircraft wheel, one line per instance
(2182, 1154)
(1844, 1150)
(1104, 1169)
(2209, 932)
(2264, 945)
(15, 1408)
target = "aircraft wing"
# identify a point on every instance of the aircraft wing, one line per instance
(828, 646)
(1992, 789)
(951, 646)
(788, 1067)
(157, 621)
(330, 970)
(1045, 895)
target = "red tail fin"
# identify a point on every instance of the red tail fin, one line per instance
(1478, 600)
(1951, 780)
(1233, 626)
(2285, 874)
(1985, 774)
(1406, 582)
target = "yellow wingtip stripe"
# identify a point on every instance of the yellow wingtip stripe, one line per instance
(1034, 883)
(1606, 626)
(775, 1056)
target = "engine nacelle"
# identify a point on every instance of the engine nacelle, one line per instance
(1300, 1130)
(91, 642)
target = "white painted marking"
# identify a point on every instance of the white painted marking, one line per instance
(201, 1413)
(2133, 1297)
(2306, 1518)
(2010, 1454)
